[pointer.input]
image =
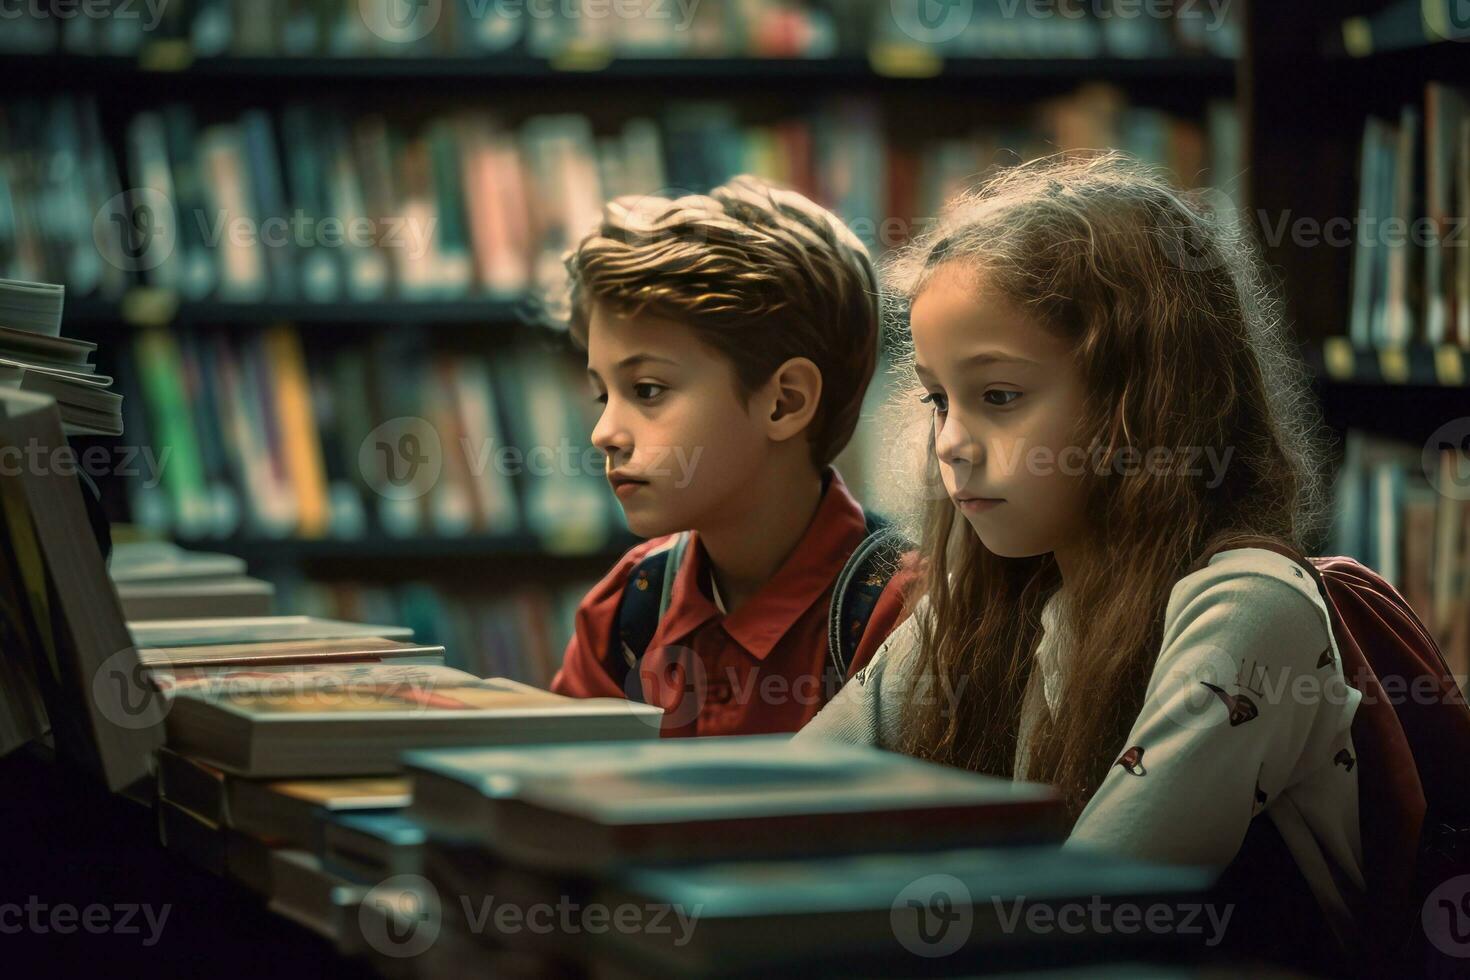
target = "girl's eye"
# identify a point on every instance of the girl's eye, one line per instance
(600, 397)
(940, 402)
(1011, 397)
(648, 391)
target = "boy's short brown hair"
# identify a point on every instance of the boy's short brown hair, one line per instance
(759, 271)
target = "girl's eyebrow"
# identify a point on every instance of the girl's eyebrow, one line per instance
(995, 357)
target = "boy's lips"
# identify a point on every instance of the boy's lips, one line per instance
(623, 484)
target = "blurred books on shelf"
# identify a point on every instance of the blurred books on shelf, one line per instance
(519, 632)
(383, 437)
(1411, 263)
(316, 205)
(1413, 530)
(584, 35)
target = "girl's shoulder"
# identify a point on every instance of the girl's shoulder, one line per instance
(1252, 589)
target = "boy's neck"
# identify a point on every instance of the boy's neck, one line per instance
(746, 553)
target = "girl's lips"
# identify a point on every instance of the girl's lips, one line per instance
(976, 504)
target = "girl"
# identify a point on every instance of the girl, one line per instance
(1112, 402)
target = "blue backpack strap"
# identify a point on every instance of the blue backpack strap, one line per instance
(645, 600)
(855, 593)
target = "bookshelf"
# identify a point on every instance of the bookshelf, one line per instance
(930, 114)
(1335, 98)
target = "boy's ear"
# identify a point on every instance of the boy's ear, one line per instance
(794, 392)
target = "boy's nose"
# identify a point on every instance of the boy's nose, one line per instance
(610, 437)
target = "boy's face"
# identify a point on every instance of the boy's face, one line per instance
(682, 445)
(1007, 399)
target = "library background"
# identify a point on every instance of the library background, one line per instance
(291, 231)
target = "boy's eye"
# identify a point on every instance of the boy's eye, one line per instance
(648, 391)
(1008, 397)
(940, 402)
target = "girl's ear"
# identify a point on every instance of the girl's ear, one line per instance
(794, 392)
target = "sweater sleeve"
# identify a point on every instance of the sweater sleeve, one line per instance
(1246, 704)
(869, 708)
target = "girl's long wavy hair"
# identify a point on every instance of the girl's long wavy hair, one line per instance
(1179, 341)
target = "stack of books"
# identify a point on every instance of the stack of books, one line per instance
(737, 856)
(160, 580)
(72, 681)
(35, 357)
(288, 779)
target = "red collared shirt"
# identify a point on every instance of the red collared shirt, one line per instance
(758, 669)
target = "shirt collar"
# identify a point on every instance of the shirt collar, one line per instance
(808, 572)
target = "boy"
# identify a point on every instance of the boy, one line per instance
(731, 338)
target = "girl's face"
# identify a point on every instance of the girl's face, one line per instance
(1007, 399)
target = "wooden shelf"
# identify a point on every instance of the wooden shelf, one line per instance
(1337, 362)
(518, 552)
(911, 63)
(152, 307)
